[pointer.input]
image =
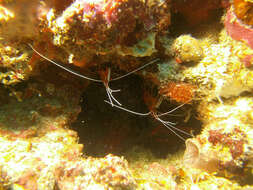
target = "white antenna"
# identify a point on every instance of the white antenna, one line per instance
(63, 67)
(106, 81)
(169, 125)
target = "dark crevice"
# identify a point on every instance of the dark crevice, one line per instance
(104, 129)
(180, 25)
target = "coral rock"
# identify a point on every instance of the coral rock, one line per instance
(187, 49)
(110, 172)
(97, 24)
(196, 156)
(244, 11)
(225, 144)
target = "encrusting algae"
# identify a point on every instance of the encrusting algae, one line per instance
(144, 58)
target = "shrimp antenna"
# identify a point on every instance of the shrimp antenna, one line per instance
(176, 108)
(138, 69)
(85, 77)
(106, 81)
(169, 125)
(64, 68)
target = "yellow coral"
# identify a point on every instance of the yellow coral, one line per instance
(186, 49)
(5, 14)
(221, 73)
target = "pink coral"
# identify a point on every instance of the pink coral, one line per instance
(235, 146)
(248, 61)
(237, 30)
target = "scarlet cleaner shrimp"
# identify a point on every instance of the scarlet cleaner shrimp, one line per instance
(168, 124)
(105, 76)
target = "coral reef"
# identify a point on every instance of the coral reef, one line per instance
(18, 24)
(225, 144)
(105, 28)
(39, 152)
(223, 72)
(59, 62)
(54, 161)
(172, 173)
(110, 172)
(15, 64)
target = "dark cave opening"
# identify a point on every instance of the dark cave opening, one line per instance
(197, 21)
(104, 129)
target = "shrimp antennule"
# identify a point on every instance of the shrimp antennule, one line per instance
(135, 70)
(109, 91)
